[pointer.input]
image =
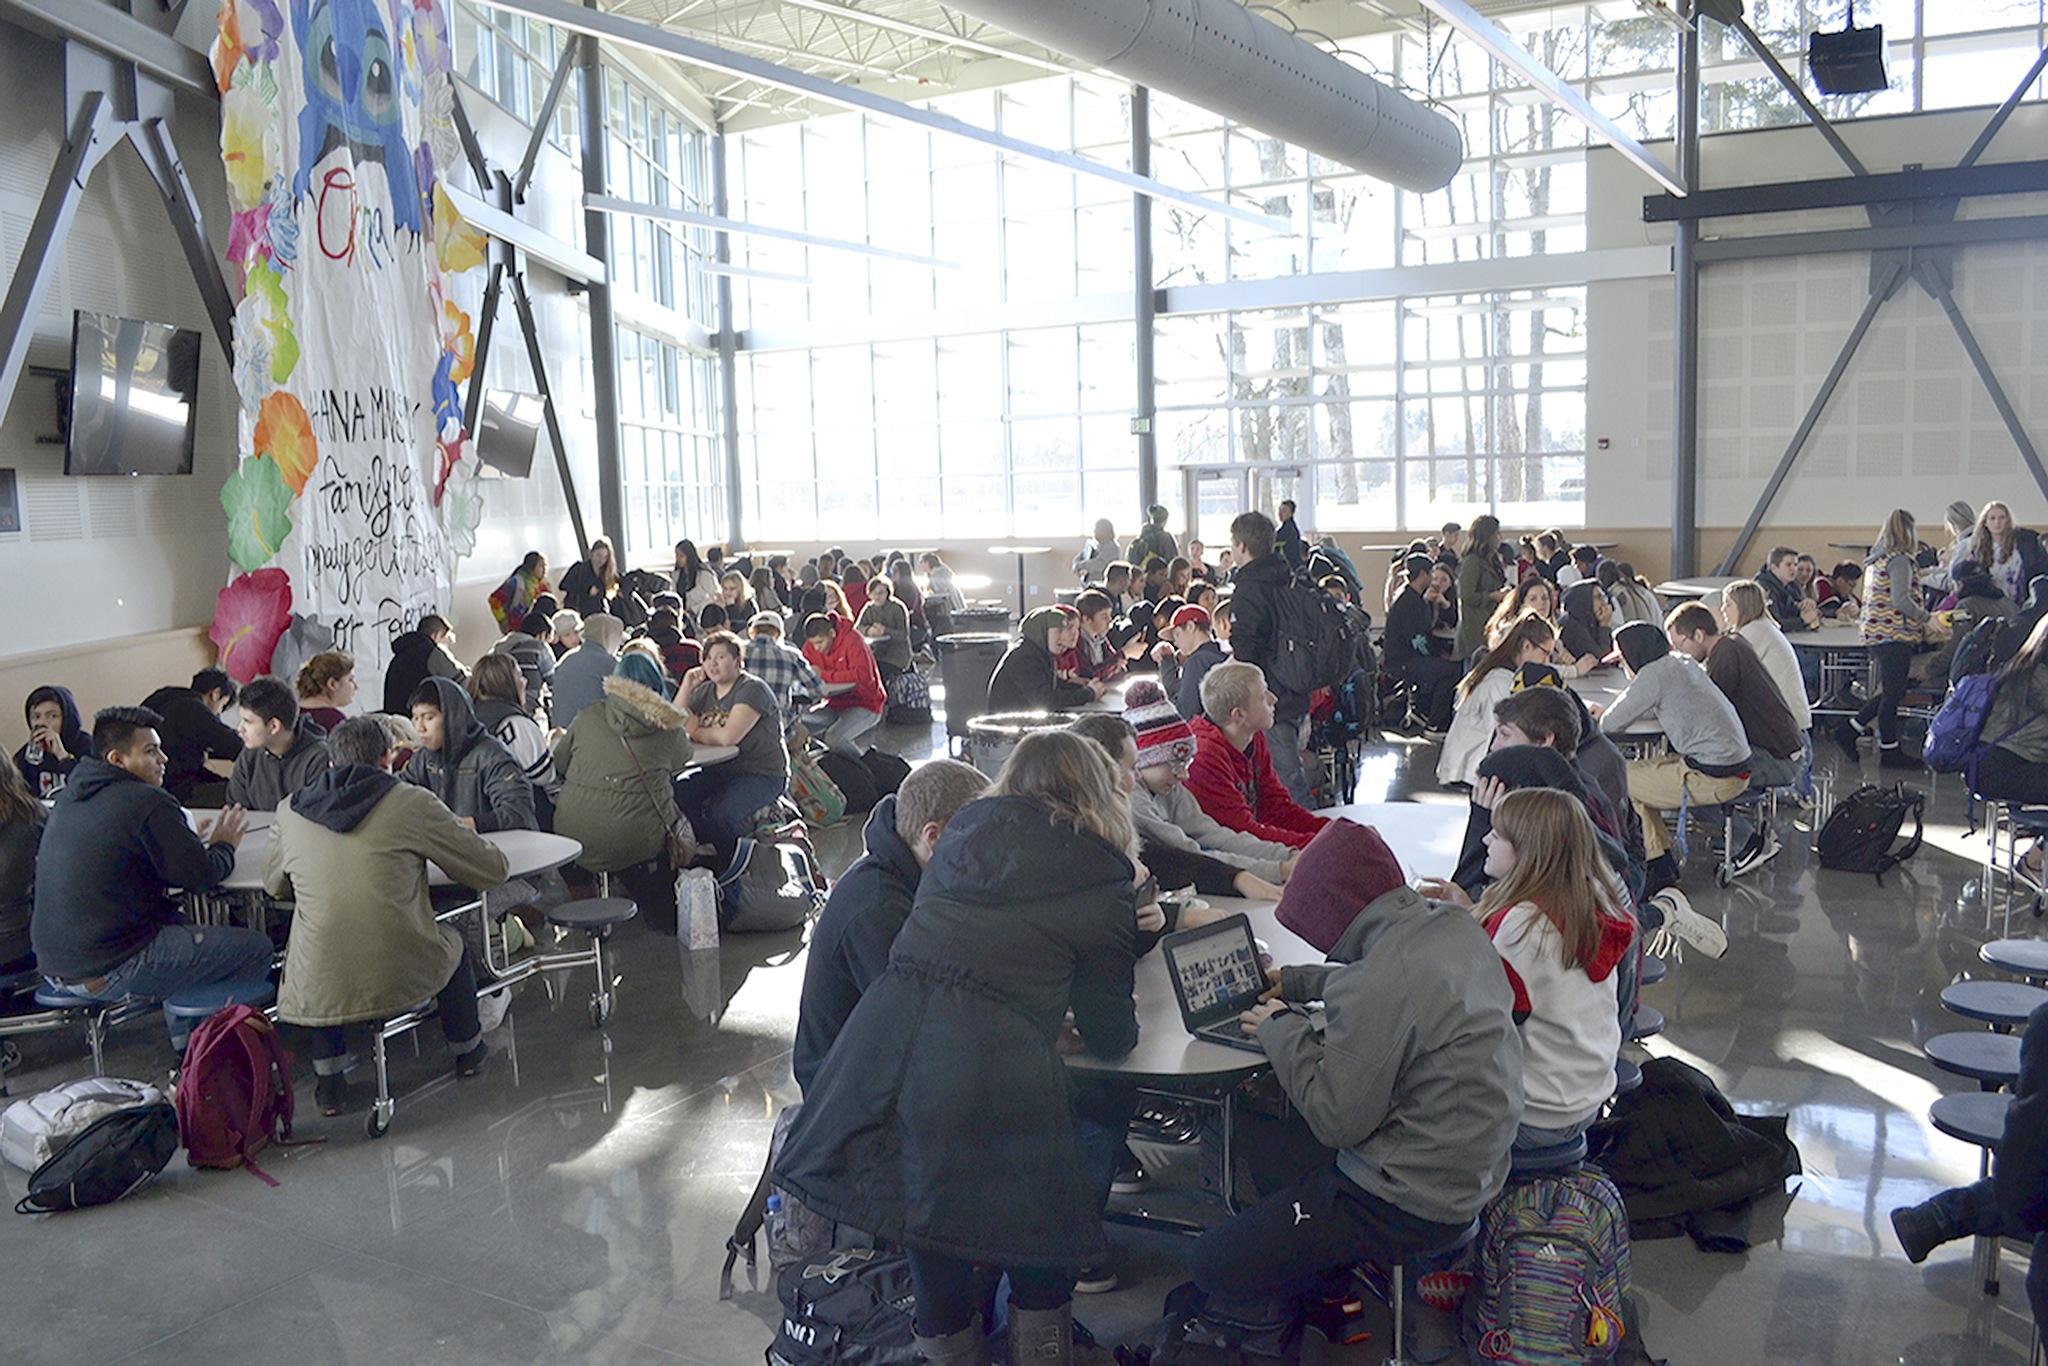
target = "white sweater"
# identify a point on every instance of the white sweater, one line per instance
(1775, 651)
(1471, 734)
(1573, 1033)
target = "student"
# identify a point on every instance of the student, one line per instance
(853, 584)
(1533, 594)
(416, 656)
(515, 597)
(1198, 565)
(1584, 565)
(1974, 597)
(940, 584)
(942, 1119)
(792, 679)
(871, 900)
(473, 774)
(1167, 814)
(56, 741)
(885, 623)
(351, 851)
(1527, 641)
(1185, 659)
(1779, 578)
(281, 749)
(1155, 589)
(1840, 594)
(590, 584)
(694, 581)
(2012, 555)
(1116, 582)
(854, 696)
(1256, 639)
(723, 704)
(580, 674)
(1101, 646)
(105, 925)
(1232, 776)
(528, 647)
(1155, 542)
(1025, 678)
(1287, 536)
(618, 760)
(767, 591)
(1585, 634)
(498, 691)
(1631, 594)
(1226, 569)
(326, 684)
(1203, 594)
(1415, 1081)
(1097, 553)
(1480, 586)
(1777, 747)
(736, 596)
(903, 587)
(1809, 574)
(1708, 762)
(21, 832)
(1221, 618)
(192, 732)
(1745, 613)
(1410, 644)
(1893, 624)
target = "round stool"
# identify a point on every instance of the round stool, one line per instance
(1991, 1060)
(2002, 1005)
(1649, 1021)
(1558, 1157)
(1627, 1076)
(1976, 1117)
(594, 917)
(196, 1003)
(1654, 971)
(2022, 957)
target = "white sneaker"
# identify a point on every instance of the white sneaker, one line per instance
(1689, 925)
(1763, 846)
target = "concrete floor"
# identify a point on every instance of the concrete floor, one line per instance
(572, 1205)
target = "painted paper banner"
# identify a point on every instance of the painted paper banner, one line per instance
(355, 486)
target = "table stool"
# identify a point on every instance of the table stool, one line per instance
(2026, 958)
(60, 1005)
(1549, 1161)
(1654, 970)
(1991, 1060)
(2002, 1005)
(594, 918)
(1396, 1274)
(194, 1004)
(1762, 805)
(1976, 1117)
(1648, 1023)
(381, 1109)
(1627, 1076)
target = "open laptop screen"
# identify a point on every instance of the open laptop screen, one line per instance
(1215, 970)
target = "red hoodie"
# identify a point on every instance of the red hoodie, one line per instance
(1569, 1018)
(1239, 790)
(849, 661)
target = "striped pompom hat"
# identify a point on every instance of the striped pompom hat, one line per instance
(1163, 737)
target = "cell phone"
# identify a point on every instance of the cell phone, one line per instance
(1148, 892)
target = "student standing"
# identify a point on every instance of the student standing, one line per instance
(56, 741)
(1893, 625)
(515, 597)
(1097, 553)
(1256, 639)
(590, 585)
(1480, 585)
(416, 656)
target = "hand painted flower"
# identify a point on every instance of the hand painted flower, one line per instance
(285, 434)
(249, 616)
(252, 355)
(431, 47)
(265, 282)
(461, 342)
(447, 399)
(457, 246)
(245, 151)
(249, 235)
(284, 230)
(228, 51)
(258, 508)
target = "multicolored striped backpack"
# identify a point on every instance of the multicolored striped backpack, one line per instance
(1552, 1272)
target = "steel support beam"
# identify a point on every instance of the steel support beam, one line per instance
(1798, 94)
(1936, 284)
(728, 350)
(1885, 237)
(1145, 407)
(1685, 321)
(542, 121)
(112, 31)
(721, 223)
(152, 142)
(536, 357)
(1880, 187)
(604, 354)
(1881, 290)
(487, 322)
(2004, 111)
(472, 150)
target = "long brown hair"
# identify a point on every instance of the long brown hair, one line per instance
(2029, 655)
(1529, 629)
(1898, 535)
(1074, 779)
(609, 579)
(1484, 534)
(497, 678)
(1986, 550)
(18, 805)
(1517, 602)
(1558, 867)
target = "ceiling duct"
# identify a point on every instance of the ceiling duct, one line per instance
(1217, 54)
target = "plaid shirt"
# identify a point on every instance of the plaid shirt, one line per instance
(788, 675)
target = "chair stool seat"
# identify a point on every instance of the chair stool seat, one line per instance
(1649, 1021)
(1996, 1003)
(1654, 971)
(53, 997)
(196, 1003)
(1627, 1076)
(1557, 1157)
(2021, 957)
(1973, 1116)
(1977, 1054)
(593, 913)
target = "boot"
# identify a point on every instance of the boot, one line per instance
(1045, 1337)
(968, 1347)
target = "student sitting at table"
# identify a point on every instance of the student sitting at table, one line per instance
(351, 850)
(1559, 719)
(56, 741)
(1745, 613)
(1232, 775)
(789, 676)
(580, 674)
(1167, 813)
(105, 925)
(1779, 578)
(885, 623)
(1777, 746)
(1973, 597)
(497, 689)
(854, 696)
(1410, 644)
(1116, 582)
(1411, 1093)
(1584, 565)
(2010, 554)
(1528, 641)
(417, 655)
(1585, 633)
(1534, 594)
(1186, 657)
(528, 645)
(1026, 678)
(1630, 593)
(1101, 654)
(1222, 619)
(326, 683)
(192, 732)
(460, 762)
(1840, 594)
(281, 749)
(725, 705)
(1708, 762)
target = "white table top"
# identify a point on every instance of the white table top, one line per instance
(1828, 638)
(1601, 687)
(704, 756)
(1019, 549)
(1425, 836)
(1698, 587)
(527, 851)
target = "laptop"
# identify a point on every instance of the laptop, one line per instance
(1216, 977)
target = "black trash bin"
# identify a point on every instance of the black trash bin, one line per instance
(991, 738)
(967, 661)
(980, 617)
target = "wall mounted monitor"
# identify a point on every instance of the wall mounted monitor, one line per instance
(134, 395)
(508, 430)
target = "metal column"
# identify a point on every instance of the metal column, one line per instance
(1145, 299)
(1685, 322)
(728, 351)
(604, 358)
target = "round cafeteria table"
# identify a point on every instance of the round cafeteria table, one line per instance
(526, 851)
(1703, 586)
(2026, 958)
(704, 756)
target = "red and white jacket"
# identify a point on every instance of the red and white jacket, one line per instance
(1569, 1017)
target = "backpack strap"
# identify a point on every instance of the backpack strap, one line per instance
(1893, 858)
(747, 1232)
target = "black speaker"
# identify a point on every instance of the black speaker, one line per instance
(1847, 63)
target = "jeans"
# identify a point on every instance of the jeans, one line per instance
(456, 1002)
(1283, 742)
(842, 730)
(1972, 1212)
(182, 957)
(1766, 771)
(1103, 1107)
(1894, 660)
(1435, 681)
(721, 805)
(948, 1291)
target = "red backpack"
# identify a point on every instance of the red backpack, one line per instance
(235, 1092)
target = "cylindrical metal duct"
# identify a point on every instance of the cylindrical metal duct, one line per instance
(1219, 55)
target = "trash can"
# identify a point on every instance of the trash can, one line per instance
(991, 738)
(982, 617)
(966, 663)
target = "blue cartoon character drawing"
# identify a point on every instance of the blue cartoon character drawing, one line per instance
(352, 98)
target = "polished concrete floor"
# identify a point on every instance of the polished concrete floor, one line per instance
(572, 1205)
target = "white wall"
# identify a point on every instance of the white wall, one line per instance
(1910, 426)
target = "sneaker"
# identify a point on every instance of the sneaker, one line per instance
(1763, 846)
(1096, 1280)
(1130, 1176)
(1921, 1229)
(1898, 756)
(1846, 735)
(330, 1093)
(1689, 925)
(471, 1063)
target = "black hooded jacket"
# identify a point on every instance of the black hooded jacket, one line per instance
(472, 773)
(1994, 641)
(850, 946)
(1523, 766)
(113, 849)
(191, 734)
(342, 798)
(1255, 625)
(415, 658)
(44, 772)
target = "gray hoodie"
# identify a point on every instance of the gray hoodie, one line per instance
(1416, 1079)
(1174, 818)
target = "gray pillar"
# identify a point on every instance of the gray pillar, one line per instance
(1145, 411)
(604, 359)
(728, 351)
(1685, 321)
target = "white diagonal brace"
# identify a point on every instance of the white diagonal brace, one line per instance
(1489, 35)
(934, 35)
(617, 28)
(664, 213)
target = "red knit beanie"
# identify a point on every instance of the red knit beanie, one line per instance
(1345, 868)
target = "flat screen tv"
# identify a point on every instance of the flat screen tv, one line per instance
(133, 390)
(507, 431)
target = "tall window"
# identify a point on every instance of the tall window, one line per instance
(512, 59)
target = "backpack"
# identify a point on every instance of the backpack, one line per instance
(1313, 645)
(235, 1091)
(772, 884)
(853, 779)
(115, 1155)
(910, 700)
(849, 1308)
(886, 771)
(817, 796)
(796, 1232)
(1552, 1272)
(32, 1130)
(1194, 1334)
(1955, 733)
(1859, 833)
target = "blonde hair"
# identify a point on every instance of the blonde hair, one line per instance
(1558, 868)
(1898, 535)
(1982, 550)
(1073, 779)
(1747, 598)
(320, 673)
(1230, 686)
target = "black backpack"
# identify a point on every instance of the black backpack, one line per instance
(850, 1308)
(113, 1156)
(1861, 830)
(1313, 642)
(1193, 1333)
(853, 779)
(886, 770)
